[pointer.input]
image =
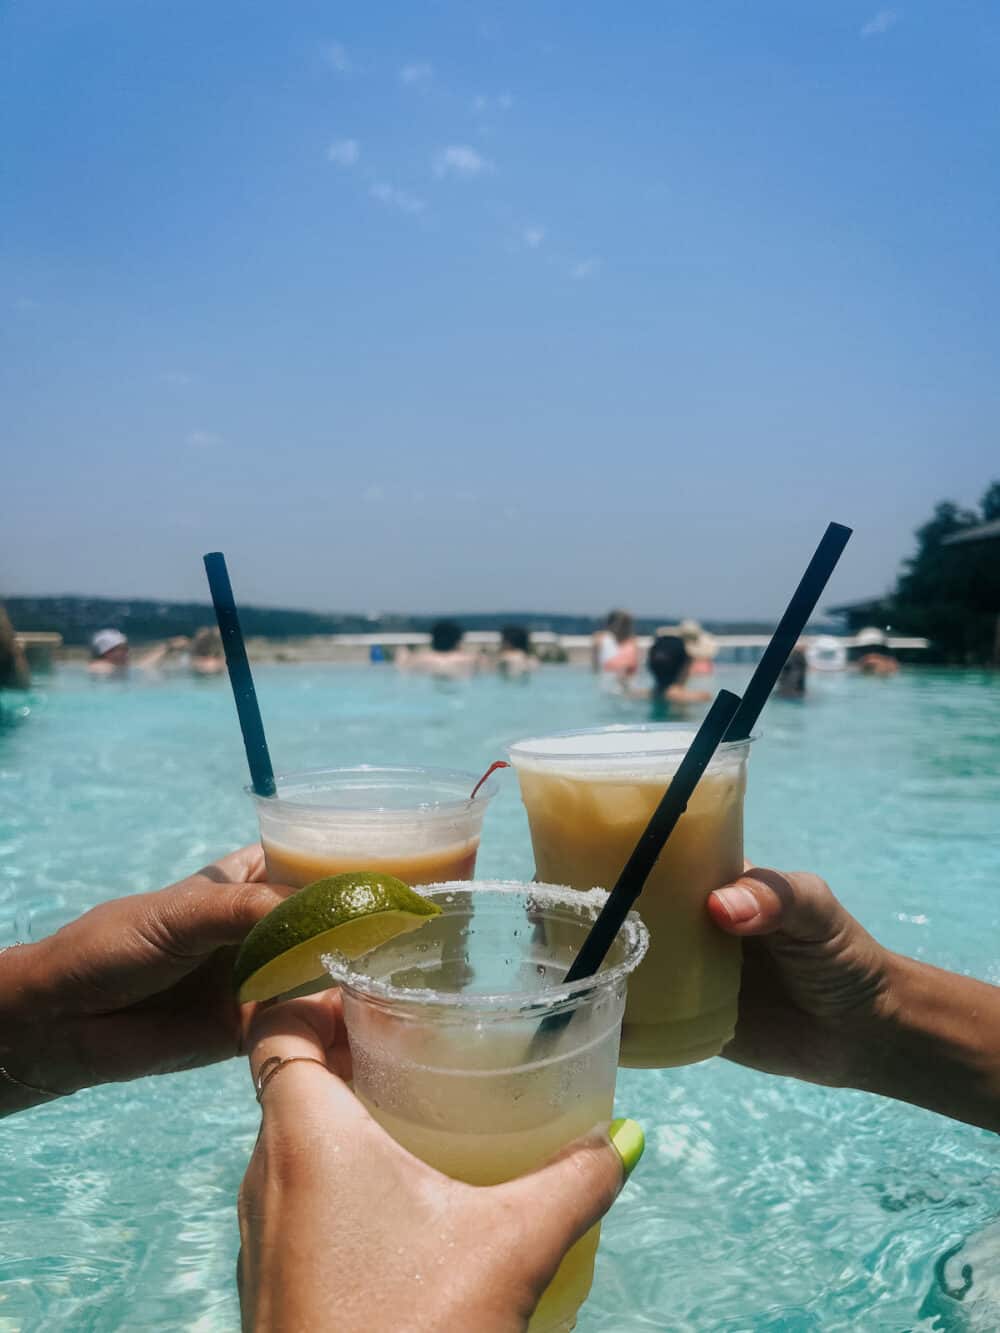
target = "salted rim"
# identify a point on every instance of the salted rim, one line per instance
(462, 780)
(502, 1004)
(519, 748)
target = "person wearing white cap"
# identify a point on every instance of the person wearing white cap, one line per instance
(875, 657)
(109, 653)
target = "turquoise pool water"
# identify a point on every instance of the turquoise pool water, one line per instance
(761, 1204)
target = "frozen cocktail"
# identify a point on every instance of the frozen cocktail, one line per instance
(419, 824)
(443, 1025)
(589, 795)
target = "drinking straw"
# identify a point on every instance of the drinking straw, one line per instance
(247, 708)
(790, 626)
(497, 763)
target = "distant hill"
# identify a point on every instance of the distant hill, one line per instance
(77, 618)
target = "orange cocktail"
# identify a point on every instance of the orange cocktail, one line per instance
(419, 824)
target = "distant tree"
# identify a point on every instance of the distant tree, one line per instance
(951, 594)
(990, 503)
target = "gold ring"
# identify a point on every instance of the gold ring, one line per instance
(273, 1063)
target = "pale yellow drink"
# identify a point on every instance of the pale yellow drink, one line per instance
(491, 1156)
(589, 796)
(443, 1028)
(419, 824)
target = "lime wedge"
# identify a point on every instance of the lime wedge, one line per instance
(347, 914)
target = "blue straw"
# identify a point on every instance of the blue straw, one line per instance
(254, 740)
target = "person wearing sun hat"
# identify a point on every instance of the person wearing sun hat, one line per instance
(874, 656)
(701, 646)
(108, 653)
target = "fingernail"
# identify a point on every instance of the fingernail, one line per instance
(740, 904)
(629, 1141)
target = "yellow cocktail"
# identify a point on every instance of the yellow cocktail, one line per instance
(589, 795)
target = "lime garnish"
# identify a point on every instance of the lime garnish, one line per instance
(347, 914)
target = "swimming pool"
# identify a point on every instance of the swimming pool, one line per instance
(761, 1204)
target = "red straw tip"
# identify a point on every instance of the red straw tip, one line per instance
(498, 763)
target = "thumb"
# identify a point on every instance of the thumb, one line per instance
(194, 918)
(563, 1199)
(762, 902)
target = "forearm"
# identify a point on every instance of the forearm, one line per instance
(937, 1044)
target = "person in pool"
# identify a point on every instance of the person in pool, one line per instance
(792, 680)
(669, 664)
(872, 655)
(14, 671)
(142, 985)
(206, 657)
(109, 653)
(614, 652)
(445, 659)
(515, 660)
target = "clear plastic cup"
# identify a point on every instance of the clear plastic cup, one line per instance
(444, 1031)
(419, 824)
(589, 795)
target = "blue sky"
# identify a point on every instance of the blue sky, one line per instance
(428, 307)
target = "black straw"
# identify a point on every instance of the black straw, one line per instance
(662, 823)
(790, 627)
(254, 740)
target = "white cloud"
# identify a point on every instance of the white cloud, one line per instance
(374, 495)
(882, 22)
(24, 304)
(460, 160)
(417, 74)
(345, 152)
(203, 439)
(337, 58)
(533, 236)
(482, 104)
(586, 268)
(395, 198)
(179, 379)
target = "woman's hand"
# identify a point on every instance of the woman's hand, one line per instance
(821, 1000)
(343, 1228)
(140, 985)
(814, 981)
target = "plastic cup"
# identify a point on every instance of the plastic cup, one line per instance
(416, 823)
(589, 795)
(441, 1025)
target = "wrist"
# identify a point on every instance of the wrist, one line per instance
(26, 1029)
(937, 1043)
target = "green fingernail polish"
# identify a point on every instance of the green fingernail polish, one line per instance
(629, 1141)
